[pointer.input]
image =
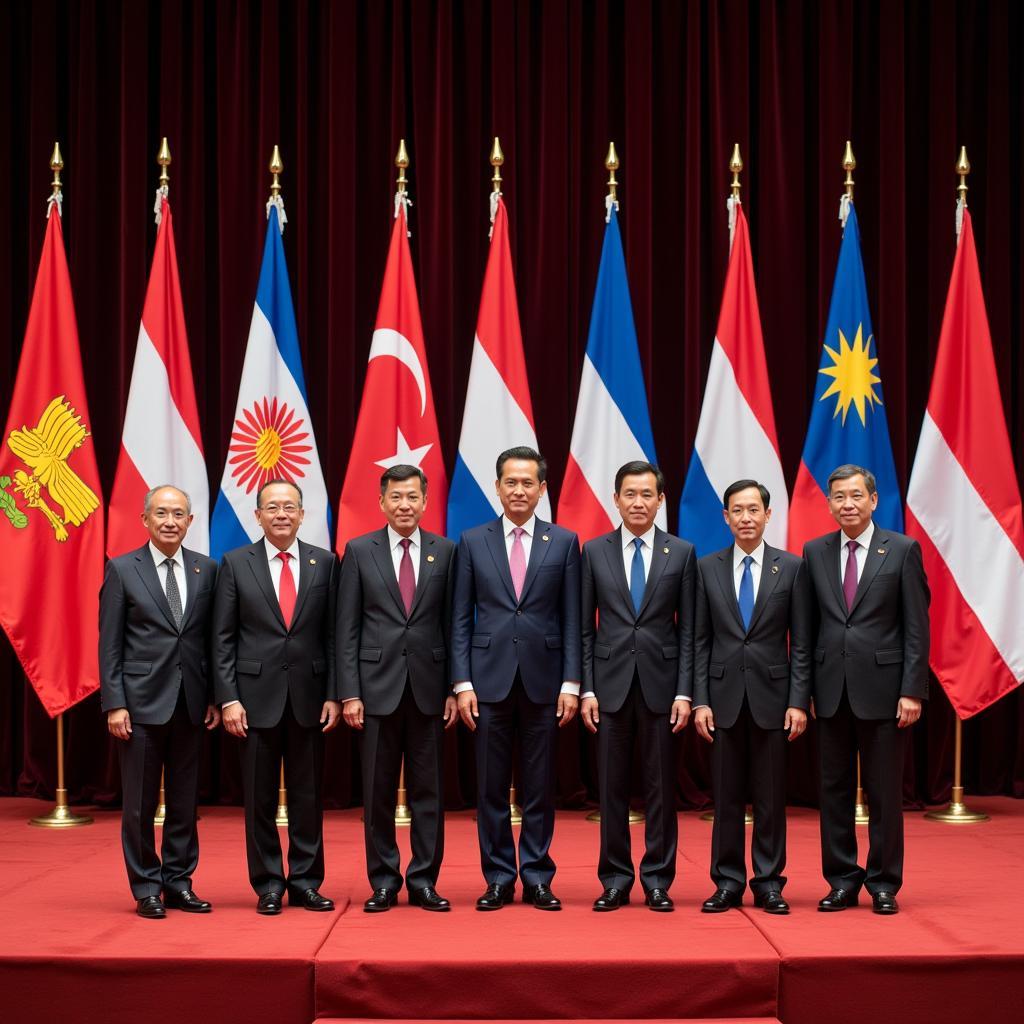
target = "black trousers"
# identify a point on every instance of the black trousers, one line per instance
(303, 752)
(386, 738)
(882, 751)
(745, 758)
(617, 731)
(173, 747)
(537, 727)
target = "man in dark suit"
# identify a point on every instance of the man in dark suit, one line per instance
(273, 649)
(516, 669)
(394, 602)
(753, 686)
(870, 672)
(638, 592)
(154, 636)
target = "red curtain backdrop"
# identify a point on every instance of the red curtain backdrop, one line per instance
(674, 84)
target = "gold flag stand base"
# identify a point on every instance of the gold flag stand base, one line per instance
(635, 817)
(956, 812)
(403, 818)
(161, 813)
(281, 818)
(748, 817)
(860, 811)
(61, 816)
(515, 810)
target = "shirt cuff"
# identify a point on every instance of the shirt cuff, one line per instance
(463, 687)
(589, 693)
(679, 696)
(699, 706)
(570, 688)
(228, 704)
(345, 700)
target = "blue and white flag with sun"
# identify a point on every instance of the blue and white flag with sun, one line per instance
(848, 422)
(272, 436)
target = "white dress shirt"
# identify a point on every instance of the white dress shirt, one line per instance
(415, 543)
(276, 564)
(738, 554)
(861, 552)
(526, 538)
(177, 566)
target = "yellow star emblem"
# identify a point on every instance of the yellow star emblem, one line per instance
(853, 377)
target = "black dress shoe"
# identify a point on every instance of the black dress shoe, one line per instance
(429, 899)
(496, 897)
(611, 899)
(659, 899)
(186, 899)
(541, 897)
(838, 899)
(151, 907)
(884, 902)
(310, 899)
(772, 903)
(380, 900)
(720, 901)
(269, 903)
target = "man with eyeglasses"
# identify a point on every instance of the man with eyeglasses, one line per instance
(273, 647)
(154, 634)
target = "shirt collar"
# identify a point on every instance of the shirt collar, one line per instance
(628, 538)
(395, 538)
(738, 554)
(864, 540)
(529, 527)
(159, 557)
(273, 552)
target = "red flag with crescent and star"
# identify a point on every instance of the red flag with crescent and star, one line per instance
(51, 529)
(397, 423)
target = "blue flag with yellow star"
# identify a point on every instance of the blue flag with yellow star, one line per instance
(848, 422)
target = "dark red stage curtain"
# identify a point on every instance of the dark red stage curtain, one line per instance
(675, 84)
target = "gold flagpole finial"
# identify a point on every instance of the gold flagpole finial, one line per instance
(56, 165)
(497, 159)
(163, 158)
(402, 162)
(735, 166)
(849, 164)
(611, 163)
(963, 168)
(276, 168)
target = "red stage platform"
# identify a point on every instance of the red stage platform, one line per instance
(72, 949)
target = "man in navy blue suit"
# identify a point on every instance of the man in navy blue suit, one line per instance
(516, 667)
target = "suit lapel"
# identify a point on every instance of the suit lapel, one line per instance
(770, 572)
(726, 582)
(307, 570)
(617, 567)
(539, 548)
(660, 554)
(873, 562)
(496, 544)
(427, 563)
(386, 568)
(147, 571)
(261, 571)
(192, 579)
(830, 552)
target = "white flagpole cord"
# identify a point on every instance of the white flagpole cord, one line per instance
(844, 209)
(960, 207)
(403, 202)
(54, 200)
(610, 203)
(730, 204)
(282, 217)
(161, 195)
(495, 196)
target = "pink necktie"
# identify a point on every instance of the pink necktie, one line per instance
(406, 576)
(517, 561)
(286, 589)
(850, 576)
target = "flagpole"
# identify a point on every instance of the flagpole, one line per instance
(956, 812)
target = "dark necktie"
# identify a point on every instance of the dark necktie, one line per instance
(636, 575)
(406, 576)
(173, 593)
(746, 597)
(850, 577)
(286, 589)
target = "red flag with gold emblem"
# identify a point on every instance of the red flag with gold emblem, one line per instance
(51, 530)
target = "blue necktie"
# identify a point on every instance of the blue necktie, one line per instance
(636, 576)
(746, 592)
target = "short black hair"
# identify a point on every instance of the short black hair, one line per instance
(523, 451)
(399, 473)
(639, 468)
(849, 469)
(277, 480)
(742, 485)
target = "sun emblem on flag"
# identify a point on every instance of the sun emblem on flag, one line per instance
(267, 443)
(853, 377)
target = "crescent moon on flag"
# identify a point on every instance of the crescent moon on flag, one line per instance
(387, 342)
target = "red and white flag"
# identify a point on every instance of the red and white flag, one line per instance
(51, 527)
(964, 506)
(397, 423)
(160, 442)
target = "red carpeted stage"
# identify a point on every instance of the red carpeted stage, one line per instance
(71, 948)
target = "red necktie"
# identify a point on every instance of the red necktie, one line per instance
(406, 576)
(850, 577)
(286, 589)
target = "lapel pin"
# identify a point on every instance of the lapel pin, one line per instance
(775, 569)
(881, 551)
(312, 561)
(430, 558)
(544, 536)
(665, 550)
(197, 570)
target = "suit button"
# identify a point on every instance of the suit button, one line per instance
(515, 639)
(404, 653)
(519, 611)
(285, 666)
(746, 643)
(743, 668)
(636, 627)
(849, 625)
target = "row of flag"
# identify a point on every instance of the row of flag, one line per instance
(963, 502)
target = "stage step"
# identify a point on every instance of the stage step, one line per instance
(618, 1020)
